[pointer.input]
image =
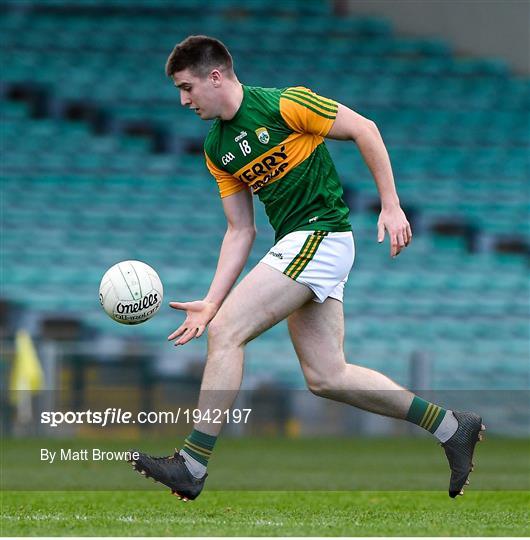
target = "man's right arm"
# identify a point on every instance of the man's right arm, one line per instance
(236, 246)
(235, 249)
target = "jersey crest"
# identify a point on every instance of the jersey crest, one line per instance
(263, 135)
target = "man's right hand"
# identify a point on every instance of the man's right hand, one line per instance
(198, 315)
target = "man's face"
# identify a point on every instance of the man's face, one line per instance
(197, 93)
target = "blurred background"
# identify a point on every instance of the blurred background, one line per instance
(100, 163)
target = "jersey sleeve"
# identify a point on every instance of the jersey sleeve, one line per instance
(228, 184)
(307, 112)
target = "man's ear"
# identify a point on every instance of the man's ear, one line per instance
(216, 78)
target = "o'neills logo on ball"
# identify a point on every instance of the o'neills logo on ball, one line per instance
(128, 307)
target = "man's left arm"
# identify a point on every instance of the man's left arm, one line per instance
(349, 125)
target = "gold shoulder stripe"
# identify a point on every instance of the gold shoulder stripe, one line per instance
(310, 107)
(312, 100)
(311, 95)
(309, 92)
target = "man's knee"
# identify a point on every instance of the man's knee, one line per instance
(223, 333)
(326, 384)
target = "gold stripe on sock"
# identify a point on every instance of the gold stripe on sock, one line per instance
(434, 417)
(432, 413)
(198, 449)
(426, 415)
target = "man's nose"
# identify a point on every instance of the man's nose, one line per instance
(184, 99)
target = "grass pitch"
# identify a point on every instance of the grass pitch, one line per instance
(236, 513)
(343, 487)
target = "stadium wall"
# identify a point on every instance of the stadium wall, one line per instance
(499, 28)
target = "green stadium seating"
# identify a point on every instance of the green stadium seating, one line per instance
(458, 131)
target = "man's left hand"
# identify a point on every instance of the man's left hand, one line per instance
(394, 221)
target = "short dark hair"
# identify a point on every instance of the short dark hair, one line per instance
(199, 54)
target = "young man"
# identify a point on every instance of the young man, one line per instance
(271, 142)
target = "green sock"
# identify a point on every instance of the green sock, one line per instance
(425, 414)
(199, 446)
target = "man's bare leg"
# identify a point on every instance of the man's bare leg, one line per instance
(317, 332)
(263, 298)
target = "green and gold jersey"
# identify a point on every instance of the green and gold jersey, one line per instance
(275, 145)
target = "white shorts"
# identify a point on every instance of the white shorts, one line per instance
(319, 259)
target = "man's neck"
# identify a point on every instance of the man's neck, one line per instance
(234, 99)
